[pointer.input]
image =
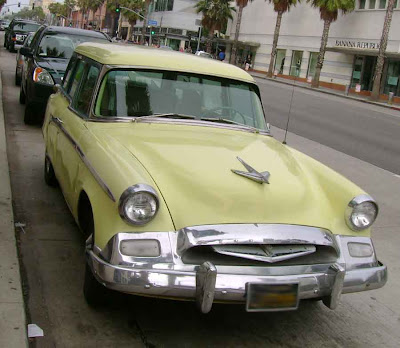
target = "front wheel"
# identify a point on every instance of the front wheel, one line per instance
(49, 175)
(95, 293)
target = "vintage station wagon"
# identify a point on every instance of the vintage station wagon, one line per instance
(168, 166)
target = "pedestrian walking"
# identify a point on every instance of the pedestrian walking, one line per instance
(221, 56)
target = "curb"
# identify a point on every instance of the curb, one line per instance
(13, 326)
(327, 92)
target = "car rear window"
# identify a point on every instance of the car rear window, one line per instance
(26, 26)
(61, 45)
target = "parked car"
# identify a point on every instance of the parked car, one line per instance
(17, 31)
(21, 60)
(170, 170)
(46, 60)
(204, 54)
(4, 24)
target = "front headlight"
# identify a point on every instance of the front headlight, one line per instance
(42, 76)
(138, 204)
(361, 212)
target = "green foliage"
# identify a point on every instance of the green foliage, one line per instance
(329, 9)
(283, 5)
(27, 13)
(215, 13)
(58, 9)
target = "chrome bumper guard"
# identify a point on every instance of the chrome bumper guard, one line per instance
(167, 276)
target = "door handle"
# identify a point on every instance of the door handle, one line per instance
(57, 120)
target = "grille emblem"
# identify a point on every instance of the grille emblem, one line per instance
(252, 174)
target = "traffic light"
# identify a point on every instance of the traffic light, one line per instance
(19, 4)
(33, 5)
(152, 32)
(117, 8)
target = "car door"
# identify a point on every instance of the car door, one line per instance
(71, 121)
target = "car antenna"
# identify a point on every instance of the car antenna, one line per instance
(290, 109)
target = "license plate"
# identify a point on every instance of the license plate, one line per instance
(272, 297)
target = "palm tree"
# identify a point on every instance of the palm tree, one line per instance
(94, 6)
(382, 49)
(328, 10)
(241, 4)
(135, 5)
(84, 6)
(280, 7)
(111, 6)
(215, 16)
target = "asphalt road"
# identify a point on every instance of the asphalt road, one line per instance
(364, 131)
(52, 257)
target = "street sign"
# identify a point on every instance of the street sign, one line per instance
(151, 22)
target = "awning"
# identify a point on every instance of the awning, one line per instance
(362, 52)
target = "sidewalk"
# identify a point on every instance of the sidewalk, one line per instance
(325, 90)
(13, 326)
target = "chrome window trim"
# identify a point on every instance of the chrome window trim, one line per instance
(59, 123)
(106, 68)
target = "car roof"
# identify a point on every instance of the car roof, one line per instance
(153, 58)
(75, 31)
(25, 21)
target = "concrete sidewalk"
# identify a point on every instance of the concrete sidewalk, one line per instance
(325, 90)
(13, 326)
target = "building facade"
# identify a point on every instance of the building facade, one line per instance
(352, 47)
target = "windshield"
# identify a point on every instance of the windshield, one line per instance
(26, 27)
(142, 93)
(54, 45)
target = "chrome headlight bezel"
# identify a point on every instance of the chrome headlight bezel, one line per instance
(131, 191)
(356, 201)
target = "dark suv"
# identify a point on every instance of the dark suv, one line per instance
(17, 31)
(46, 59)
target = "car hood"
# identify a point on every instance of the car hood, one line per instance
(56, 67)
(192, 168)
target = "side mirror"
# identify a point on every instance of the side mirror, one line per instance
(26, 51)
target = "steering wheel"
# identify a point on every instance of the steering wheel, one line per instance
(205, 113)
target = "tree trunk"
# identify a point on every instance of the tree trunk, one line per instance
(376, 87)
(146, 15)
(210, 40)
(320, 62)
(83, 15)
(233, 57)
(130, 29)
(275, 44)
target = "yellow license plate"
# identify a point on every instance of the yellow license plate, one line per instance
(272, 297)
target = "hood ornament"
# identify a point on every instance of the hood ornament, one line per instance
(252, 174)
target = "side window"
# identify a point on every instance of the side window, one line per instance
(77, 77)
(68, 72)
(84, 96)
(36, 38)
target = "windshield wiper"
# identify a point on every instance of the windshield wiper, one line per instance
(170, 115)
(225, 120)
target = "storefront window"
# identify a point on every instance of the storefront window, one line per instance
(163, 5)
(372, 4)
(363, 72)
(392, 78)
(356, 77)
(312, 64)
(362, 4)
(295, 65)
(382, 4)
(280, 61)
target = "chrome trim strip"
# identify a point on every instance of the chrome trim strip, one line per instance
(206, 277)
(59, 123)
(252, 234)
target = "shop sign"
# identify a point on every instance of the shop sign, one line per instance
(357, 44)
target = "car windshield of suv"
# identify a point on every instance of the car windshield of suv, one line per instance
(130, 93)
(59, 45)
(26, 27)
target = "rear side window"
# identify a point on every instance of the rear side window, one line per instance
(84, 96)
(69, 71)
(78, 75)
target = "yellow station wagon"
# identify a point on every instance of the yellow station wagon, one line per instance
(168, 166)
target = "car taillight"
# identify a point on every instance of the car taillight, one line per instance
(14, 38)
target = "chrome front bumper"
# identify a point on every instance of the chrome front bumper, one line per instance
(167, 276)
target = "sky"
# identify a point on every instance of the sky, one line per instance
(13, 5)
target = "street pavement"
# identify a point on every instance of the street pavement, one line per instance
(366, 131)
(52, 255)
